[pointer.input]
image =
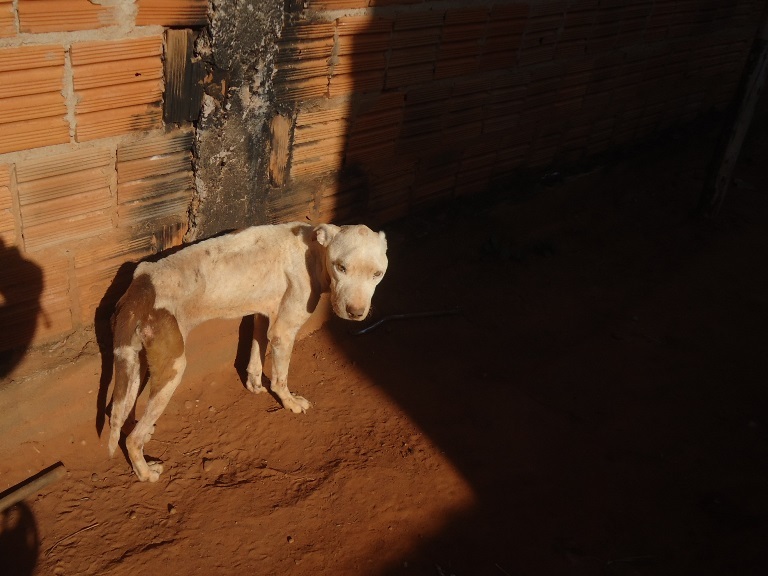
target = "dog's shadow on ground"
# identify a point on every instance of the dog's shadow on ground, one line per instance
(21, 285)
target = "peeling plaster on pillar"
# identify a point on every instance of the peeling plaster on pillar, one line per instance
(232, 139)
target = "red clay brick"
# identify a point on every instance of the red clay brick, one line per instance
(7, 19)
(67, 230)
(175, 141)
(409, 75)
(118, 121)
(299, 91)
(415, 55)
(113, 74)
(360, 64)
(110, 97)
(151, 187)
(33, 134)
(302, 70)
(417, 37)
(32, 81)
(363, 43)
(38, 16)
(155, 180)
(83, 53)
(153, 166)
(376, 130)
(51, 166)
(174, 205)
(336, 4)
(357, 25)
(26, 57)
(64, 185)
(32, 107)
(337, 111)
(118, 85)
(358, 82)
(65, 208)
(456, 67)
(64, 197)
(172, 12)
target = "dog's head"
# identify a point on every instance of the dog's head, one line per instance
(356, 259)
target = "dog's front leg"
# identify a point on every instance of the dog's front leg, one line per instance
(281, 338)
(258, 349)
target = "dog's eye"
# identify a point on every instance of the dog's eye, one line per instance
(377, 274)
(341, 268)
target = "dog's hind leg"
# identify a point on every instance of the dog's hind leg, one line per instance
(258, 349)
(164, 344)
(127, 381)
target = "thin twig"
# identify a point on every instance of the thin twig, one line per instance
(405, 316)
(47, 552)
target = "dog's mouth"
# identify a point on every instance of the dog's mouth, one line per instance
(348, 311)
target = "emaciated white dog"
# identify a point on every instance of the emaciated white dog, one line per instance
(276, 273)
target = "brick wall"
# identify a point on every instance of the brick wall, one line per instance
(433, 100)
(90, 175)
(346, 109)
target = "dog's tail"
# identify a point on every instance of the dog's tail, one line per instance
(130, 313)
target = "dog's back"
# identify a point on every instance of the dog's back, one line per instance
(231, 276)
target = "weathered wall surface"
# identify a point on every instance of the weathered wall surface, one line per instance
(232, 149)
(127, 126)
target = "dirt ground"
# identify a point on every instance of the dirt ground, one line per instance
(598, 405)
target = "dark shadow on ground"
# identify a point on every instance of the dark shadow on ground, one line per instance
(19, 542)
(603, 391)
(21, 284)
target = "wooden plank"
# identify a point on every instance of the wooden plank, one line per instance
(183, 78)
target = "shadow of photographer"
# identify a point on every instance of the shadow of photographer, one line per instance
(19, 541)
(21, 284)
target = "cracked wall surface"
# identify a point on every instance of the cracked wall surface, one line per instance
(232, 144)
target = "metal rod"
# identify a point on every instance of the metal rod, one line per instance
(17, 493)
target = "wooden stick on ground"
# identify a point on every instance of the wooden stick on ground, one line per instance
(31, 485)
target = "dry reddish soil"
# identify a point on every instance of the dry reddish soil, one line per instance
(597, 406)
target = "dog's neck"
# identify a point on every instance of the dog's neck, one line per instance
(318, 257)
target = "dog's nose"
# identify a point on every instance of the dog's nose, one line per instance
(355, 311)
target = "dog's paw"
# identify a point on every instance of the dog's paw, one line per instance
(296, 404)
(155, 469)
(150, 473)
(254, 384)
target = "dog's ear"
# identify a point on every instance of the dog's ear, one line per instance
(324, 233)
(383, 239)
